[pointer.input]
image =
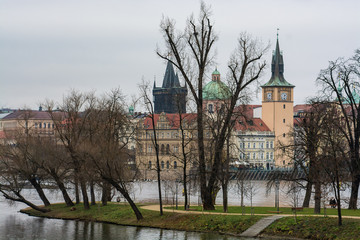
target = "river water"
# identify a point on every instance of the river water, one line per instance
(15, 225)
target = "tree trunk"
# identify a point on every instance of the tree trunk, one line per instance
(354, 192)
(104, 196)
(39, 190)
(92, 193)
(317, 197)
(185, 188)
(62, 188)
(23, 200)
(127, 197)
(225, 197)
(76, 185)
(307, 197)
(84, 194)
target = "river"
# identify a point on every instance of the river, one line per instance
(15, 225)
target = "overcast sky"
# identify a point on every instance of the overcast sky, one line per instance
(50, 46)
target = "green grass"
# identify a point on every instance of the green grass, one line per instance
(122, 214)
(315, 228)
(283, 210)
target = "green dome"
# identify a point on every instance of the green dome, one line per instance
(216, 72)
(216, 90)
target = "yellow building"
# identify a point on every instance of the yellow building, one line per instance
(277, 106)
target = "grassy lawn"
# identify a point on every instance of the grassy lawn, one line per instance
(315, 228)
(268, 210)
(122, 214)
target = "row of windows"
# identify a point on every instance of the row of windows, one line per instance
(168, 135)
(269, 155)
(162, 165)
(164, 149)
(43, 125)
(260, 145)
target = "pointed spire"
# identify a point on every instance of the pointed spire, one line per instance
(170, 79)
(277, 68)
(154, 84)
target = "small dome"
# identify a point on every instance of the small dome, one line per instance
(216, 72)
(216, 90)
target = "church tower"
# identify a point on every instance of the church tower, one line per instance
(170, 97)
(277, 106)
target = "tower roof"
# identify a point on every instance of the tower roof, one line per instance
(171, 80)
(216, 89)
(277, 70)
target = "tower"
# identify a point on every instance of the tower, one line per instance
(277, 105)
(170, 97)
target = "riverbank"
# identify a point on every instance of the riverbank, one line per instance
(306, 227)
(123, 215)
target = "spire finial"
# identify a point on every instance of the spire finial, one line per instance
(277, 33)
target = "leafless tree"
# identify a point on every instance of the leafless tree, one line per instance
(191, 52)
(340, 81)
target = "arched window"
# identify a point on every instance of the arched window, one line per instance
(167, 164)
(149, 164)
(211, 110)
(162, 164)
(162, 149)
(168, 149)
(175, 165)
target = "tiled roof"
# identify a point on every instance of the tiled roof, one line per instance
(251, 124)
(172, 118)
(29, 114)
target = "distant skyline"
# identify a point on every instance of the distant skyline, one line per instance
(50, 47)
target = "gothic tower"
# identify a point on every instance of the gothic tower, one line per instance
(170, 97)
(277, 105)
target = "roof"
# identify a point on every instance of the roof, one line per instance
(216, 90)
(29, 114)
(171, 80)
(277, 70)
(172, 118)
(216, 72)
(251, 124)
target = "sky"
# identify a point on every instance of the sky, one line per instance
(48, 47)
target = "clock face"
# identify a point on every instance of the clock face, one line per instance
(283, 96)
(269, 96)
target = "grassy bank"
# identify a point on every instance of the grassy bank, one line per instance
(122, 214)
(315, 228)
(271, 210)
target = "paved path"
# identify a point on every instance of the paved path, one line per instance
(259, 226)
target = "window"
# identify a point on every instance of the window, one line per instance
(267, 156)
(168, 149)
(149, 164)
(284, 120)
(44, 125)
(52, 125)
(254, 145)
(271, 145)
(249, 145)
(284, 106)
(48, 125)
(35, 125)
(262, 155)
(254, 155)
(150, 149)
(271, 155)
(175, 165)
(167, 164)
(211, 110)
(262, 145)
(162, 149)
(267, 144)
(284, 135)
(162, 164)
(40, 125)
(241, 145)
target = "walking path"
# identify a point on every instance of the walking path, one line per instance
(253, 231)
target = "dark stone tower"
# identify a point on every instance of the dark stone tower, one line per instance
(171, 97)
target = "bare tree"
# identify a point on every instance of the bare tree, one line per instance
(341, 81)
(191, 51)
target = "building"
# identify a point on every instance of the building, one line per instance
(277, 106)
(170, 97)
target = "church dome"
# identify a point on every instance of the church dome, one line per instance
(216, 89)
